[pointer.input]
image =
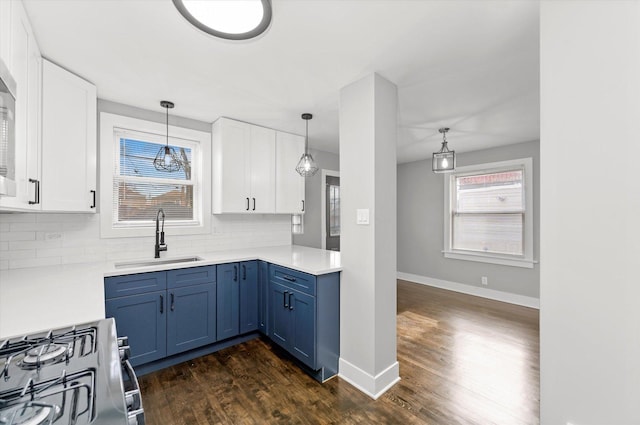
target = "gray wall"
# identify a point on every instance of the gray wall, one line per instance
(421, 225)
(312, 218)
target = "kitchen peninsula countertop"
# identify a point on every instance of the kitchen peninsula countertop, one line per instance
(32, 299)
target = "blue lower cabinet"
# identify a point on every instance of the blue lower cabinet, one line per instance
(228, 300)
(293, 322)
(143, 319)
(280, 315)
(304, 318)
(248, 296)
(159, 323)
(303, 327)
(191, 318)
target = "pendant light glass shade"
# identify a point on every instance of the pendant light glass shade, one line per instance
(306, 166)
(167, 159)
(444, 160)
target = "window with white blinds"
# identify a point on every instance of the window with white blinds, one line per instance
(489, 213)
(139, 189)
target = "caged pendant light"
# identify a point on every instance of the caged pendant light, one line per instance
(306, 166)
(444, 160)
(167, 159)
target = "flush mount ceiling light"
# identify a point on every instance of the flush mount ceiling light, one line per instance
(444, 160)
(306, 166)
(229, 19)
(167, 158)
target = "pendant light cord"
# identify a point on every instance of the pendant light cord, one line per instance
(167, 121)
(306, 139)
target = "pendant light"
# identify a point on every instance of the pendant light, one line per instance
(306, 166)
(167, 159)
(444, 160)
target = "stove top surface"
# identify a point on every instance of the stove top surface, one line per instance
(63, 376)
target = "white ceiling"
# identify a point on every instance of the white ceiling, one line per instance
(469, 65)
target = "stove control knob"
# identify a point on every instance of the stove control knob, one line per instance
(123, 340)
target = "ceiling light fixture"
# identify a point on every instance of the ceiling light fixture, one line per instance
(166, 158)
(228, 19)
(306, 166)
(444, 160)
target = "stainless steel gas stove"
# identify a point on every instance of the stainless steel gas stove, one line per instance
(78, 375)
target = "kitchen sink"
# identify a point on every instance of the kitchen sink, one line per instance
(156, 262)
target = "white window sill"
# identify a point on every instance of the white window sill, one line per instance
(488, 258)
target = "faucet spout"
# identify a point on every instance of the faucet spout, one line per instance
(160, 245)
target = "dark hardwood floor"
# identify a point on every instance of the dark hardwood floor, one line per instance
(463, 360)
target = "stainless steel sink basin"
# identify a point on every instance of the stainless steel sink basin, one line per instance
(156, 262)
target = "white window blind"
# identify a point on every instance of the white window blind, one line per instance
(488, 212)
(139, 190)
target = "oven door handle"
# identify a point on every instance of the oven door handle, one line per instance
(132, 397)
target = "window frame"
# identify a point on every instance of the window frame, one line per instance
(526, 259)
(112, 126)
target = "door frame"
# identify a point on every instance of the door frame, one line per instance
(323, 201)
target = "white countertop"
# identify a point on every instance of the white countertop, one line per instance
(38, 298)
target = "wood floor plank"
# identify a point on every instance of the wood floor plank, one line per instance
(463, 360)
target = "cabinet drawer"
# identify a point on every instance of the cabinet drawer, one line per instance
(191, 276)
(121, 286)
(294, 279)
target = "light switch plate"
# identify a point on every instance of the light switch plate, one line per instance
(362, 216)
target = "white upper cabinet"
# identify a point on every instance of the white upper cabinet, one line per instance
(289, 184)
(69, 113)
(22, 56)
(243, 168)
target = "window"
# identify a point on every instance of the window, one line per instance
(132, 190)
(334, 210)
(139, 190)
(297, 224)
(489, 213)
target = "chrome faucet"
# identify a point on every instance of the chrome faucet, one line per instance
(160, 245)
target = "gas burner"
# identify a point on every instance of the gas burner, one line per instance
(46, 354)
(31, 413)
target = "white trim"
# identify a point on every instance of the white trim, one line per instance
(323, 206)
(491, 294)
(494, 259)
(373, 386)
(112, 122)
(525, 260)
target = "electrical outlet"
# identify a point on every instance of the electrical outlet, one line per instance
(50, 236)
(485, 280)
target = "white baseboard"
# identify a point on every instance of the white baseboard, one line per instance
(373, 386)
(491, 294)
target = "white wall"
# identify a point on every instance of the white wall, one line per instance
(421, 227)
(590, 207)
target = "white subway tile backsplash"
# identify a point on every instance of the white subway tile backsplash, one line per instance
(39, 239)
(17, 236)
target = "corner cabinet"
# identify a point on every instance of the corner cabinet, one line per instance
(69, 114)
(237, 299)
(163, 313)
(243, 162)
(304, 318)
(289, 184)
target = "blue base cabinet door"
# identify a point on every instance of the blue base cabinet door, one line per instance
(228, 300)
(248, 296)
(191, 318)
(303, 329)
(280, 323)
(143, 319)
